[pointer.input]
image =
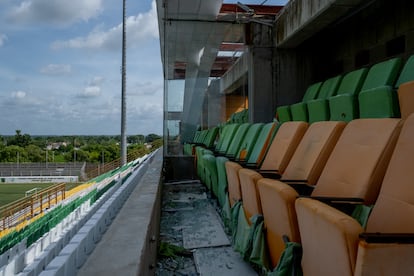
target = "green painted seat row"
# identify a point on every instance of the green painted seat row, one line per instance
(239, 117)
(246, 143)
(210, 138)
(339, 98)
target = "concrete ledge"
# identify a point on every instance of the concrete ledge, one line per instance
(300, 19)
(129, 245)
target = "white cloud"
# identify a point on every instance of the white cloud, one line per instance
(96, 81)
(145, 88)
(3, 39)
(60, 12)
(90, 92)
(21, 99)
(18, 94)
(56, 69)
(140, 27)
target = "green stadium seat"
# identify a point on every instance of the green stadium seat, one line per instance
(225, 138)
(251, 152)
(407, 73)
(382, 102)
(243, 152)
(383, 97)
(343, 106)
(261, 145)
(221, 180)
(299, 110)
(210, 137)
(283, 114)
(318, 109)
(249, 141)
(210, 167)
(235, 144)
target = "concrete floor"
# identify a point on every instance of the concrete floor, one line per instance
(190, 219)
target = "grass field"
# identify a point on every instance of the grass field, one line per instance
(12, 192)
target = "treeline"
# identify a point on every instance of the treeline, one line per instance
(22, 148)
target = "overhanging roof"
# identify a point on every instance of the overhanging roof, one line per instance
(198, 31)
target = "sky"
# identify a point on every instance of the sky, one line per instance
(60, 67)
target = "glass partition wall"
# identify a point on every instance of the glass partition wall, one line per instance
(205, 70)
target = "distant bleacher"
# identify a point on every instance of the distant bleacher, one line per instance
(41, 169)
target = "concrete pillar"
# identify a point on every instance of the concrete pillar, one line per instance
(216, 105)
(261, 85)
(293, 75)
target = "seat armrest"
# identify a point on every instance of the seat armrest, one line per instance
(252, 166)
(270, 174)
(344, 204)
(338, 200)
(387, 237)
(301, 187)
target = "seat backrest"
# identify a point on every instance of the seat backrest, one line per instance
(329, 87)
(313, 151)
(394, 208)
(233, 182)
(357, 164)
(210, 170)
(226, 137)
(262, 144)
(352, 82)
(380, 102)
(237, 140)
(383, 73)
(283, 146)
(407, 73)
(248, 142)
(312, 92)
(197, 135)
(406, 99)
(273, 198)
(250, 193)
(209, 139)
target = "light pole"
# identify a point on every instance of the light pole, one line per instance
(123, 94)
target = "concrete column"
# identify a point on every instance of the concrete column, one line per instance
(216, 105)
(261, 85)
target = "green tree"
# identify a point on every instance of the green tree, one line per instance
(151, 137)
(13, 154)
(136, 139)
(157, 143)
(35, 154)
(20, 140)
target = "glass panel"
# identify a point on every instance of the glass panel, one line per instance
(175, 95)
(197, 50)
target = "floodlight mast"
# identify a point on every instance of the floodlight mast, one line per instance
(123, 96)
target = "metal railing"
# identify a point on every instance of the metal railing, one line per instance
(104, 168)
(26, 208)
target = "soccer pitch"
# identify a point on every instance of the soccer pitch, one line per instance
(12, 192)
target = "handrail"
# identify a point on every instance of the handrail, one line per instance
(104, 168)
(26, 208)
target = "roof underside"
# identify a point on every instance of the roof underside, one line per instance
(207, 36)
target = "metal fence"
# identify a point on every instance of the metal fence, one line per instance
(34, 204)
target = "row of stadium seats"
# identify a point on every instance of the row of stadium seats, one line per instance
(28, 249)
(332, 160)
(239, 117)
(207, 137)
(337, 98)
